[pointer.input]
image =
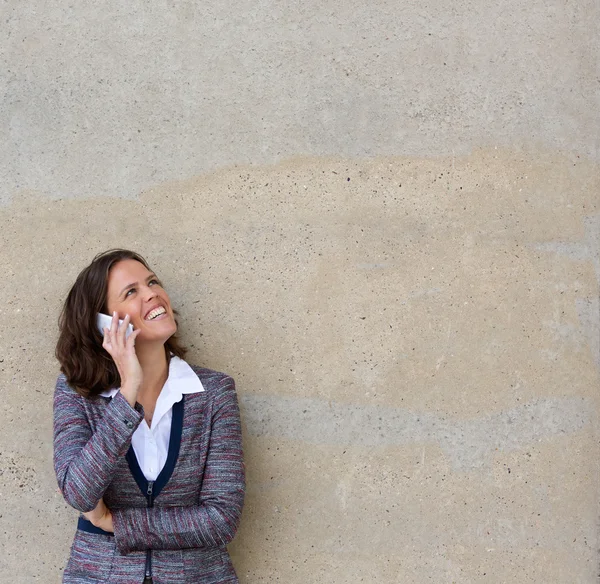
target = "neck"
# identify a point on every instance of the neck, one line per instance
(153, 359)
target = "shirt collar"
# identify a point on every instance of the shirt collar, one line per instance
(181, 380)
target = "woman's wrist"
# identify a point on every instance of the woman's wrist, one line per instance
(130, 393)
(100, 517)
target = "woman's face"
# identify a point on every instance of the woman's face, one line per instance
(136, 291)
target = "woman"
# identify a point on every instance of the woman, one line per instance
(145, 446)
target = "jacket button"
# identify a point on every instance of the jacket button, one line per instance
(129, 424)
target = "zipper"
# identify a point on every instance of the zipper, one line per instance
(148, 572)
(149, 493)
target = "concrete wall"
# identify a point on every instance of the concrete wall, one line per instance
(381, 218)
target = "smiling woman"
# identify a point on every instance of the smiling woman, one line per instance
(147, 447)
(136, 291)
(88, 367)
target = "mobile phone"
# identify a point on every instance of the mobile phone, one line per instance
(104, 321)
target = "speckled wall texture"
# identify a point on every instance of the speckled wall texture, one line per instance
(381, 218)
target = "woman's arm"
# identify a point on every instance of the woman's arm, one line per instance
(84, 462)
(215, 520)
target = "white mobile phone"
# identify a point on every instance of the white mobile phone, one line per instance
(104, 321)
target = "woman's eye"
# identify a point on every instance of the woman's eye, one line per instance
(154, 282)
(129, 292)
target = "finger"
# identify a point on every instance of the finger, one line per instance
(114, 325)
(106, 339)
(123, 328)
(115, 331)
(132, 337)
(109, 335)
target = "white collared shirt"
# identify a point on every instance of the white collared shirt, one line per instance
(151, 444)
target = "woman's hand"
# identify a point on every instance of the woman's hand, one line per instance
(101, 517)
(122, 351)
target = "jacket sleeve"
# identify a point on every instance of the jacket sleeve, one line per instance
(214, 521)
(84, 462)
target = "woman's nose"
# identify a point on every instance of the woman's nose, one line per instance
(149, 293)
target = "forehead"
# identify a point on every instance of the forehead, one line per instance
(124, 273)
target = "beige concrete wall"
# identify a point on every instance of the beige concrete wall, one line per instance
(381, 219)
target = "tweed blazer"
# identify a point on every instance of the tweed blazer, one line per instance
(186, 517)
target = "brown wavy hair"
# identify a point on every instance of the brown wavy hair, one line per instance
(89, 369)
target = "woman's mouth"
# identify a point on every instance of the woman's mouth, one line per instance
(156, 313)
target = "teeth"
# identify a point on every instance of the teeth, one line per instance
(156, 312)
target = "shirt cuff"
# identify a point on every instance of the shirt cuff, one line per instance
(122, 417)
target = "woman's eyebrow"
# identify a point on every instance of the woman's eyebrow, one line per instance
(126, 287)
(152, 276)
